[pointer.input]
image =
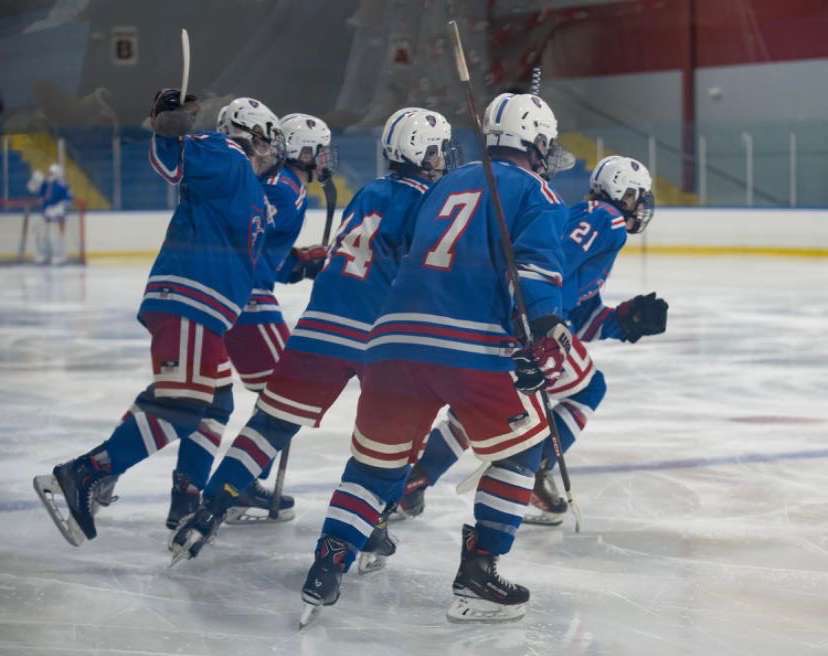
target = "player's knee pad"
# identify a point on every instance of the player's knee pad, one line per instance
(525, 463)
(222, 406)
(183, 413)
(277, 432)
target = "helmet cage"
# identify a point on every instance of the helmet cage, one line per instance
(642, 212)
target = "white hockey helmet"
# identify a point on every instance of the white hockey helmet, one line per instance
(525, 122)
(626, 183)
(308, 143)
(421, 138)
(55, 172)
(389, 131)
(251, 123)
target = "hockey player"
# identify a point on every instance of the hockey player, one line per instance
(445, 337)
(55, 199)
(257, 339)
(620, 202)
(327, 346)
(199, 283)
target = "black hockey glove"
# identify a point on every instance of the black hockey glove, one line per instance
(642, 315)
(309, 262)
(169, 117)
(539, 365)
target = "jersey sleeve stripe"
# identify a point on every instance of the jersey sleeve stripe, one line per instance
(414, 184)
(172, 176)
(441, 320)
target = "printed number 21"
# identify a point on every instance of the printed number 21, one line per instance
(442, 255)
(582, 231)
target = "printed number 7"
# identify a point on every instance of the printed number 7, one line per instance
(461, 207)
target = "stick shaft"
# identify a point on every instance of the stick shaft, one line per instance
(506, 241)
(185, 56)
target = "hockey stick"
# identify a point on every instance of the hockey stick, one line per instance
(329, 188)
(185, 56)
(508, 253)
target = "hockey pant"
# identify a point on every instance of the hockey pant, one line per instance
(49, 239)
(575, 395)
(189, 363)
(398, 404)
(300, 391)
(254, 351)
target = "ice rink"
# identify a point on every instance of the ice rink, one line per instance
(702, 480)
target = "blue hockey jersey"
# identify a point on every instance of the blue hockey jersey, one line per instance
(594, 235)
(54, 197)
(362, 263)
(450, 303)
(287, 195)
(205, 268)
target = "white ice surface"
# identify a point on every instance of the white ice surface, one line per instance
(702, 479)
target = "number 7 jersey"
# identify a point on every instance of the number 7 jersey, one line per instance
(362, 263)
(450, 304)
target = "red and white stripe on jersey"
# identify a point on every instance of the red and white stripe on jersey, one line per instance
(287, 409)
(526, 432)
(156, 433)
(504, 490)
(575, 415)
(618, 222)
(300, 198)
(592, 326)
(576, 374)
(252, 450)
(262, 300)
(441, 332)
(356, 506)
(453, 435)
(195, 294)
(201, 365)
(546, 190)
(333, 328)
(208, 435)
(414, 184)
(232, 144)
(377, 454)
(171, 175)
(534, 272)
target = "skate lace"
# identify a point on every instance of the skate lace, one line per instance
(508, 585)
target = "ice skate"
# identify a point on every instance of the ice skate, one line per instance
(412, 503)
(324, 578)
(184, 499)
(480, 593)
(255, 505)
(546, 506)
(104, 494)
(381, 544)
(199, 529)
(79, 482)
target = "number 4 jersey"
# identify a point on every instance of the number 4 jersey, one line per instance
(362, 263)
(450, 303)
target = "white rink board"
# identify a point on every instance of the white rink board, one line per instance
(702, 479)
(143, 232)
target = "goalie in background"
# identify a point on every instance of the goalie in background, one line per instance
(55, 198)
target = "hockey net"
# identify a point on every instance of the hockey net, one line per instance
(19, 219)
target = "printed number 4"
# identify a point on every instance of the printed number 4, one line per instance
(582, 231)
(356, 246)
(459, 208)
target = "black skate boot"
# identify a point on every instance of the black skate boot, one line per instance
(412, 502)
(184, 499)
(380, 545)
(255, 505)
(324, 578)
(199, 529)
(79, 481)
(480, 593)
(546, 506)
(105, 494)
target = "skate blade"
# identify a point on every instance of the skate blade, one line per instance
(46, 486)
(182, 551)
(470, 609)
(370, 562)
(309, 613)
(544, 519)
(239, 516)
